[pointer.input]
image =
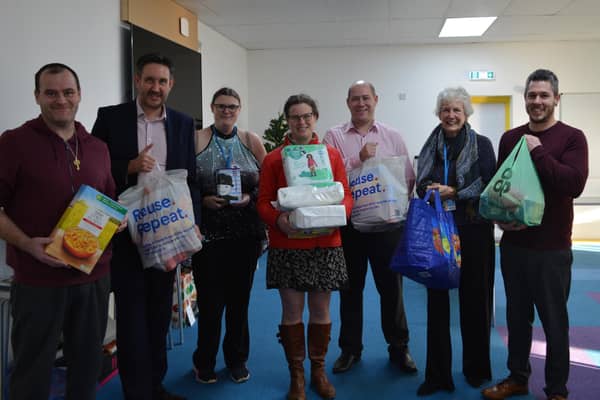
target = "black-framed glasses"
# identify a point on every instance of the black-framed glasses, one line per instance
(296, 118)
(230, 107)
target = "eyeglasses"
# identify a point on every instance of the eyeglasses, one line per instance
(296, 118)
(230, 107)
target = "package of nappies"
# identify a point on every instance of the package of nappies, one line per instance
(306, 165)
(291, 197)
(318, 217)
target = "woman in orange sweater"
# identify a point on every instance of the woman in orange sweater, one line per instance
(306, 268)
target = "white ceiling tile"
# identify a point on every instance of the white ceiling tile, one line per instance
(428, 28)
(254, 12)
(543, 26)
(477, 8)
(535, 7)
(582, 8)
(320, 34)
(265, 24)
(418, 8)
(356, 9)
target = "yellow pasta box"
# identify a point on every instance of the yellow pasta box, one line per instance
(85, 229)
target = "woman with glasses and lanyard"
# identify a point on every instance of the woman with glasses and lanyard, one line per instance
(303, 269)
(228, 161)
(459, 163)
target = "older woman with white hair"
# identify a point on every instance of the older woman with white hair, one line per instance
(459, 162)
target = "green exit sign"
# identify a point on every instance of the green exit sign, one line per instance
(482, 76)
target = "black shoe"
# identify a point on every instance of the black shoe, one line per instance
(205, 376)
(475, 381)
(429, 388)
(164, 395)
(239, 374)
(345, 362)
(404, 361)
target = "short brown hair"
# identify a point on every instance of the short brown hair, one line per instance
(300, 99)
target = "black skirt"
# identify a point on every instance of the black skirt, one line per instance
(318, 269)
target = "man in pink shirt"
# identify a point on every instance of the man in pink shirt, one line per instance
(357, 141)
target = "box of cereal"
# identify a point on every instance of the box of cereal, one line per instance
(85, 229)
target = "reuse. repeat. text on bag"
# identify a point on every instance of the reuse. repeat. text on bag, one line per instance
(161, 219)
(380, 193)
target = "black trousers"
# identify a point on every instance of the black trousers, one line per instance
(223, 274)
(541, 279)
(143, 299)
(475, 295)
(40, 315)
(360, 249)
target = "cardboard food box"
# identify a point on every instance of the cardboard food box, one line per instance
(187, 302)
(85, 229)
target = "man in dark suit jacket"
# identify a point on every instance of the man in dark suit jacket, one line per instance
(143, 135)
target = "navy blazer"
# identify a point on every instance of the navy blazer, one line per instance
(117, 127)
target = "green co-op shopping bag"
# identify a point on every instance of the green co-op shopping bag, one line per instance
(515, 192)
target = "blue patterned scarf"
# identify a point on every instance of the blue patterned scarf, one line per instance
(468, 179)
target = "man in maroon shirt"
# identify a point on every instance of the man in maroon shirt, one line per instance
(536, 261)
(42, 165)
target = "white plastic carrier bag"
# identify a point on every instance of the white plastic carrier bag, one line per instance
(380, 194)
(161, 219)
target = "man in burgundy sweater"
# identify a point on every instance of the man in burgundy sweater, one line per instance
(536, 261)
(42, 165)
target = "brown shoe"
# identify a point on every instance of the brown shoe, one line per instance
(504, 389)
(557, 397)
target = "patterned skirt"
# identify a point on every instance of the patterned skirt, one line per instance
(318, 269)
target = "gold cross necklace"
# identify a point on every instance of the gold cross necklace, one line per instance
(76, 161)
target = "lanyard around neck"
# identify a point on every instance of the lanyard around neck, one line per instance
(229, 155)
(446, 164)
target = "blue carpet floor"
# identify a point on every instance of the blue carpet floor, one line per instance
(374, 377)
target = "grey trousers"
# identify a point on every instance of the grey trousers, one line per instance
(40, 315)
(541, 279)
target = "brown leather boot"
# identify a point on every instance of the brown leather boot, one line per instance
(292, 339)
(318, 341)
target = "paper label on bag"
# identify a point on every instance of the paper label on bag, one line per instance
(449, 205)
(190, 314)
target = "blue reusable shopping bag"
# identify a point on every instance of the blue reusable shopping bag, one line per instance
(429, 251)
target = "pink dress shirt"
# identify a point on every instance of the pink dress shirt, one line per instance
(153, 131)
(349, 141)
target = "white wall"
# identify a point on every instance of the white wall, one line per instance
(83, 34)
(224, 63)
(418, 71)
